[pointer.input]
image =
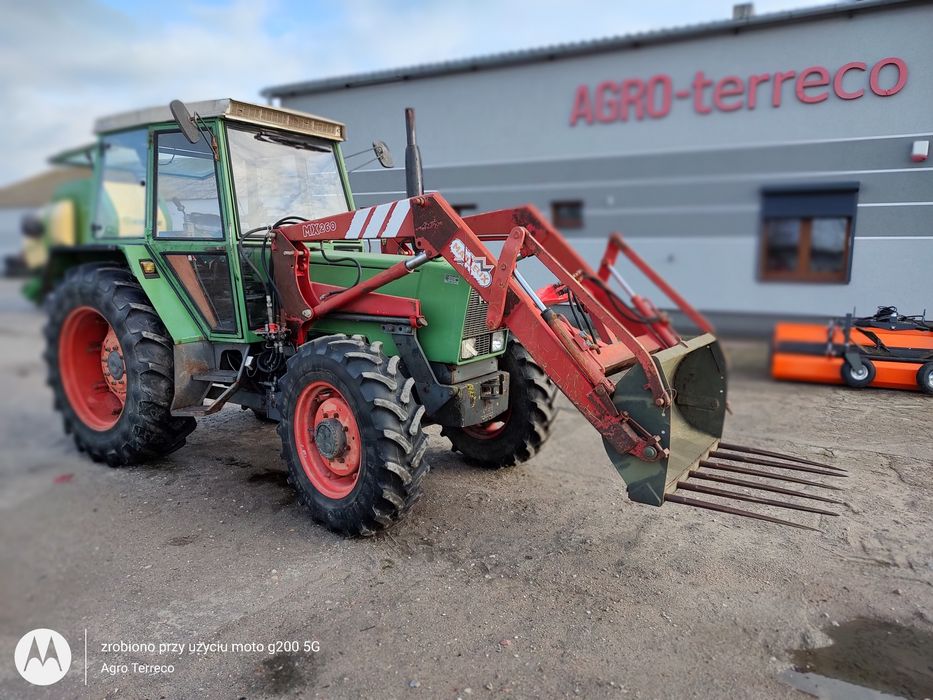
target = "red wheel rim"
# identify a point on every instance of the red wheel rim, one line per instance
(490, 429)
(328, 440)
(92, 369)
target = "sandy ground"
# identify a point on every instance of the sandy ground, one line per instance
(542, 580)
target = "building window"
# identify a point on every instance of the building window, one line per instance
(568, 214)
(464, 209)
(807, 233)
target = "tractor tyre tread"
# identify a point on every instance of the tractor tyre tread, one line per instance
(146, 430)
(389, 421)
(531, 399)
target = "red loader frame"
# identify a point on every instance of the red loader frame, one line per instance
(427, 227)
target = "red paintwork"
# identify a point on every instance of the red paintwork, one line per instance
(578, 365)
(552, 295)
(497, 225)
(610, 321)
(494, 225)
(110, 345)
(375, 304)
(84, 345)
(508, 259)
(334, 478)
(489, 430)
(617, 243)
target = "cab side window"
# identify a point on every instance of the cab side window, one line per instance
(187, 201)
(121, 200)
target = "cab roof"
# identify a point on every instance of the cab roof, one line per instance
(234, 110)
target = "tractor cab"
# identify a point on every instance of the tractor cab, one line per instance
(187, 198)
(197, 186)
(186, 192)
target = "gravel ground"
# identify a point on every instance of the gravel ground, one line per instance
(541, 580)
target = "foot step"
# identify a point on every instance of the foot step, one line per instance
(217, 376)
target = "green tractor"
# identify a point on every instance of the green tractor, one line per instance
(215, 256)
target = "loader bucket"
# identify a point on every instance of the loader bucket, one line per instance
(694, 373)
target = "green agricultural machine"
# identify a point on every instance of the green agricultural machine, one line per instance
(215, 257)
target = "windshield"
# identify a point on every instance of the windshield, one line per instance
(277, 175)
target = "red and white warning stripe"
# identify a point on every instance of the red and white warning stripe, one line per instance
(383, 221)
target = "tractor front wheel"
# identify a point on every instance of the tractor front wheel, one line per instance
(110, 365)
(351, 434)
(517, 434)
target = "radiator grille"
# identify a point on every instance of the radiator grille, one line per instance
(475, 322)
(474, 325)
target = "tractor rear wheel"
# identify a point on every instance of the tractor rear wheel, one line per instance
(517, 434)
(351, 434)
(858, 378)
(110, 365)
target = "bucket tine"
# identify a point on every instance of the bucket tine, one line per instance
(751, 499)
(762, 487)
(767, 453)
(778, 465)
(697, 503)
(757, 472)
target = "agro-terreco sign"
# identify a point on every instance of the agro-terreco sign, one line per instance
(633, 98)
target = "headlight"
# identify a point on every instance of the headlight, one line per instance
(468, 349)
(498, 341)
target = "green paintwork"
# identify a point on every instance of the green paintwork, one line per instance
(178, 320)
(443, 294)
(80, 192)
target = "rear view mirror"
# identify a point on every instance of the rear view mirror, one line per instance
(185, 121)
(383, 154)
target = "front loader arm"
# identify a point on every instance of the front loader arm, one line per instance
(578, 366)
(658, 401)
(642, 318)
(618, 244)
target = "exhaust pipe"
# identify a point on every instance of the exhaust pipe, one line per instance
(414, 177)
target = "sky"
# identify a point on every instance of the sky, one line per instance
(62, 64)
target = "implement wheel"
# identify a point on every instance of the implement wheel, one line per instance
(517, 434)
(351, 434)
(110, 366)
(858, 378)
(925, 378)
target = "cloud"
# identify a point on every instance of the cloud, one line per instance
(64, 64)
(61, 67)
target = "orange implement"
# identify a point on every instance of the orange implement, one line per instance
(887, 354)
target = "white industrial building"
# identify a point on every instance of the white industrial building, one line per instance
(767, 165)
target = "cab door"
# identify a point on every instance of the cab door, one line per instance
(189, 233)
